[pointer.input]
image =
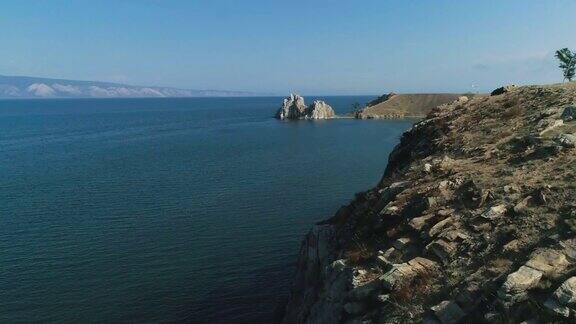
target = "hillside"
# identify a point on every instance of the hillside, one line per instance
(405, 105)
(32, 87)
(473, 221)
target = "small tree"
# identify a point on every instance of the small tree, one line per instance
(567, 63)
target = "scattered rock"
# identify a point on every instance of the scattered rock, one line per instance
(556, 123)
(566, 140)
(550, 262)
(397, 276)
(339, 265)
(503, 90)
(517, 283)
(418, 223)
(566, 293)
(522, 206)
(442, 249)
(448, 312)
(494, 212)
(364, 292)
(383, 262)
(383, 298)
(440, 226)
(423, 265)
(563, 300)
(401, 243)
(569, 113)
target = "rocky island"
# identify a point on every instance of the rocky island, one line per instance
(293, 107)
(473, 221)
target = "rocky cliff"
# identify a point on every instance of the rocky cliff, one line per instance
(473, 221)
(293, 107)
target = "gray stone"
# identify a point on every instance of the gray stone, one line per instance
(566, 293)
(401, 243)
(554, 124)
(569, 113)
(566, 140)
(523, 279)
(448, 312)
(418, 223)
(494, 212)
(440, 226)
(383, 262)
(383, 298)
(397, 276)
(365, 291)
(442, 249)
(553, 305)
(550, 262)
(339, 265)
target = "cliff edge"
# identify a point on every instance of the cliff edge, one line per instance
(392, 105)
(474, 220)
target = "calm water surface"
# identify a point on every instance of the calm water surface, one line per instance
(168, 210)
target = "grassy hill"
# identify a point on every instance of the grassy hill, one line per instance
(405, 105)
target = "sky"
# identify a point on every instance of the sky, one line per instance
(305, 46)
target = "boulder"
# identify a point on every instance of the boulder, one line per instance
(566, 293)
(503, 90)
(517, 283)
(442, 249)
(569, 113)
(398, 276)
(566, 140)
(448, 312)
(550, 262)
(563, 299)
(494, 212)
(401, 243)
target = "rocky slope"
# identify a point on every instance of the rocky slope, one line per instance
(473, 221)
(293, 107)
(404, 105)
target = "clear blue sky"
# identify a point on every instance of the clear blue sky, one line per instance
(313, 46)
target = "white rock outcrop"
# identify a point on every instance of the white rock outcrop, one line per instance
(319, 110)
(293, 107)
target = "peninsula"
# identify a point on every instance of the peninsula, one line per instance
(473, 221)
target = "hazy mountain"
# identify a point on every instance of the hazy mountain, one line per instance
(32, 87)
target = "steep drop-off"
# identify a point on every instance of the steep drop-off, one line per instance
(473, 221)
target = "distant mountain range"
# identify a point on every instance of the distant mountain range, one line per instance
(32, 87)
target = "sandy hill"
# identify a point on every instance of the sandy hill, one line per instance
(405, 105)
(474, 221)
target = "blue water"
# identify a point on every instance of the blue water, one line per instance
(168, 210)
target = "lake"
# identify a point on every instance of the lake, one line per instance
(168, 210)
